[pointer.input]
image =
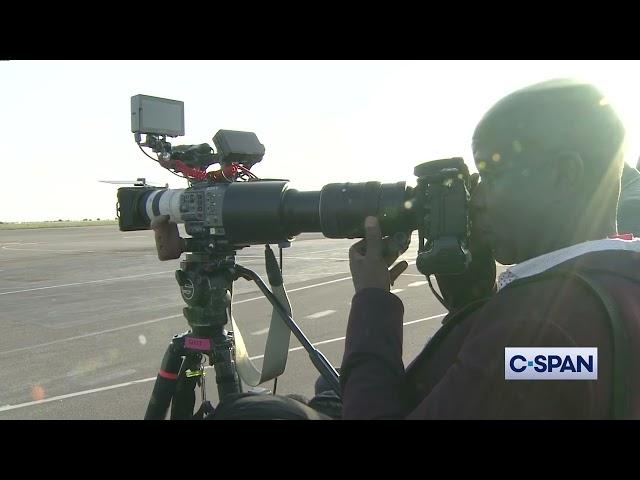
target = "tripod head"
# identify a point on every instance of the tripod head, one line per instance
(206, 280)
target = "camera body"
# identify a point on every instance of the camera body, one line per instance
(224, 212)
(444, 227)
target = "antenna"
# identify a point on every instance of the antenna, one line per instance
(139, 182)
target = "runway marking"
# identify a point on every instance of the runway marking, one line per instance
(417, 284)
(147, 274)
(155, 320)
(397, 290)
(88, 282)
(137, 236)
(337, 339)
(345, 259)
(78, 337)
(307, 274)
(6, 408)
(324, 313)
(62, 340)
(47, 250)
(275, 250)
(108, 377)
(329, 250)
(260, 332)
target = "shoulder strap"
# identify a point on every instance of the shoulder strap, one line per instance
(450, 321)
(621, 343)
(454, 318)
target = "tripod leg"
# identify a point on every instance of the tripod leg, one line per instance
(165, 385)
(227, 378)
(184, 398)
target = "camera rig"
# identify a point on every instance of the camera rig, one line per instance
(230, 208)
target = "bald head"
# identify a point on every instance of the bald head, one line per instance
(555, 116)
(550, 158)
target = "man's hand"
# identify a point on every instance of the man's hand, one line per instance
(370, 258)
(169, 244)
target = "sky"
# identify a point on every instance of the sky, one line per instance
(65, 125)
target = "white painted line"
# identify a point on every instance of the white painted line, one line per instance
(88, 282)
(107, 378)
(137, 236)
(76, 394)
(423, 319)
(397, 290)
(324, 251)
(417, 284)
(285, 255)
(32, 347)
(144, 380)
(344, 259)
(47, 250)
(342, 338)
(78, 337)
(324, 313)
(260, 332)
(286, 275)
(317, 285)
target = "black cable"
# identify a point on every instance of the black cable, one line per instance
(275, 385)
(440, 299)
(156, 160)
(247, 172)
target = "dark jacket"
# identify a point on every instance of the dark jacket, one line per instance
(460, 373)
(629, 202)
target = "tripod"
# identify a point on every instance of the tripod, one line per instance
(206, 279)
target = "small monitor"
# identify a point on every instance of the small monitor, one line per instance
(159, 116)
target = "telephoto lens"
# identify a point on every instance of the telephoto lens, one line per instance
(269, 211)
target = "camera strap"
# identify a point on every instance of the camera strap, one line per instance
(277, 346)
(621, 344)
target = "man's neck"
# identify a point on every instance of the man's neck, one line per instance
(584, 230)
(544, 262)
(570, 235)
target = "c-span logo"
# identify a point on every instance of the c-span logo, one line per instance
(550, 363)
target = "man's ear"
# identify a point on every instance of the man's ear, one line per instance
(568, 172)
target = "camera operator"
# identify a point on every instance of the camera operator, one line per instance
(550, 162)
(550, 159)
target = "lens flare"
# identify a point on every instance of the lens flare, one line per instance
(37, 392)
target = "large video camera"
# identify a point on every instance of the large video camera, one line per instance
(232, 208)
(229, 208)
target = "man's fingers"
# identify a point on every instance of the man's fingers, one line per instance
(159, 222)
(394, 246)
(397, 269)
(373, 236)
